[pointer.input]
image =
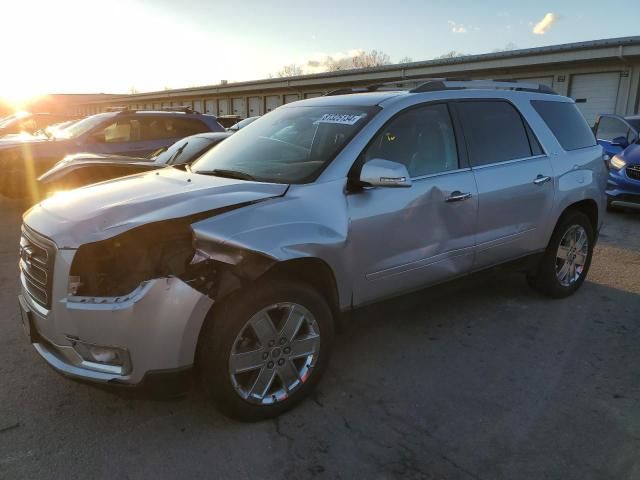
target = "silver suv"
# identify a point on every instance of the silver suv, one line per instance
(239, 265)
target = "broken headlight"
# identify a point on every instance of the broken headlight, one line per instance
(116, 266)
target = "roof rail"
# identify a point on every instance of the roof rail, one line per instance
(179, 109)
(437, 84)
(348, 90)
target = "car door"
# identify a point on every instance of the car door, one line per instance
(514, 178)
(613, 134)
(405, 238)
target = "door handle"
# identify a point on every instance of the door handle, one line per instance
(540, 180)
(458, 196)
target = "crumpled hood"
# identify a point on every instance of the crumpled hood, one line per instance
(107, 209)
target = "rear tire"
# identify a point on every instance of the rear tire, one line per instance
(255, 366)
(566, 261)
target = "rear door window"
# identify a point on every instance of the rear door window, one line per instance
(566, 122)
(161, 128)
(494, 132)
(122, 130)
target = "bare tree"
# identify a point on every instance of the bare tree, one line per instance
(406, 60)
(334, 64)
(291, 70)
(451, 54)
(372, 58)
(133, 90)
(507, 48)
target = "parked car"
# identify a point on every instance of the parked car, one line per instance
(242, 124)
(228, 121)
(619, 136)
(129, 133)
(82, 169)
(52, 130)
(25, 122)
(240, 264)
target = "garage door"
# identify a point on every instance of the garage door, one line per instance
(197, 106)
(548, 81)
(210, 107)
(595, 93)
(255, 106)
(223, 106)
(239, 107)
(272, 102)
(293, 97)
(312, 95)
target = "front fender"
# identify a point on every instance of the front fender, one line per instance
(309, 224)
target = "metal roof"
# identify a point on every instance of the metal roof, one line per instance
(342, 75)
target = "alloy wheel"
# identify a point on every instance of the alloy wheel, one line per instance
(274, 353)
(571, 256)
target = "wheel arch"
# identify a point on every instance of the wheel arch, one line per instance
(313, 271)
(589, 207)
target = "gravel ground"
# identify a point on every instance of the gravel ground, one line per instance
(478, 379)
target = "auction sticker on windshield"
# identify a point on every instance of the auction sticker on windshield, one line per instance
(341, 118)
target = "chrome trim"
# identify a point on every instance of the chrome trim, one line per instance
(72, 370)
(618, 203)
(39, 309)
(507, 162)
(440, 174)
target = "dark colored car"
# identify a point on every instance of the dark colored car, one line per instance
(241, 124)
(619, 136)
(82, 169)
(228, 121)
(24, 122)
(127, 133)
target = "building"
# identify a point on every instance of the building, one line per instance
(603, 76)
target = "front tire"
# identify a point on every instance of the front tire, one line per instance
(566, 261)
(264, 348)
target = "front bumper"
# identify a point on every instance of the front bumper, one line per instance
(621, 190)
(158, 325)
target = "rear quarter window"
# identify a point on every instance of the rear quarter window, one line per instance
(567, 124)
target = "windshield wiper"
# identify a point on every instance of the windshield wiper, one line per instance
(218, 172)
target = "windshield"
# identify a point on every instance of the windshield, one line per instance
(82, 126)
(288, 145)
(183, 151)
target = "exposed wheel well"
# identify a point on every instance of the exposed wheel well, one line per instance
(312, 271)
(589, 208)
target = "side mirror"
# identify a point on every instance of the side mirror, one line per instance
(620, 142)
(384, 173)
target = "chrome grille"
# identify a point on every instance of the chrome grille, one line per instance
(633, 171)
(37, 255)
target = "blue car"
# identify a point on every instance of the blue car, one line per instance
(619, 136)
(124, 132)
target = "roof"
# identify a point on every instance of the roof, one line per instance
(614, 48)
(355, 99)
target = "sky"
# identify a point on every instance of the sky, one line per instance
(91, 46)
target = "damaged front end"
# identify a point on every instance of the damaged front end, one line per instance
(117, 266)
